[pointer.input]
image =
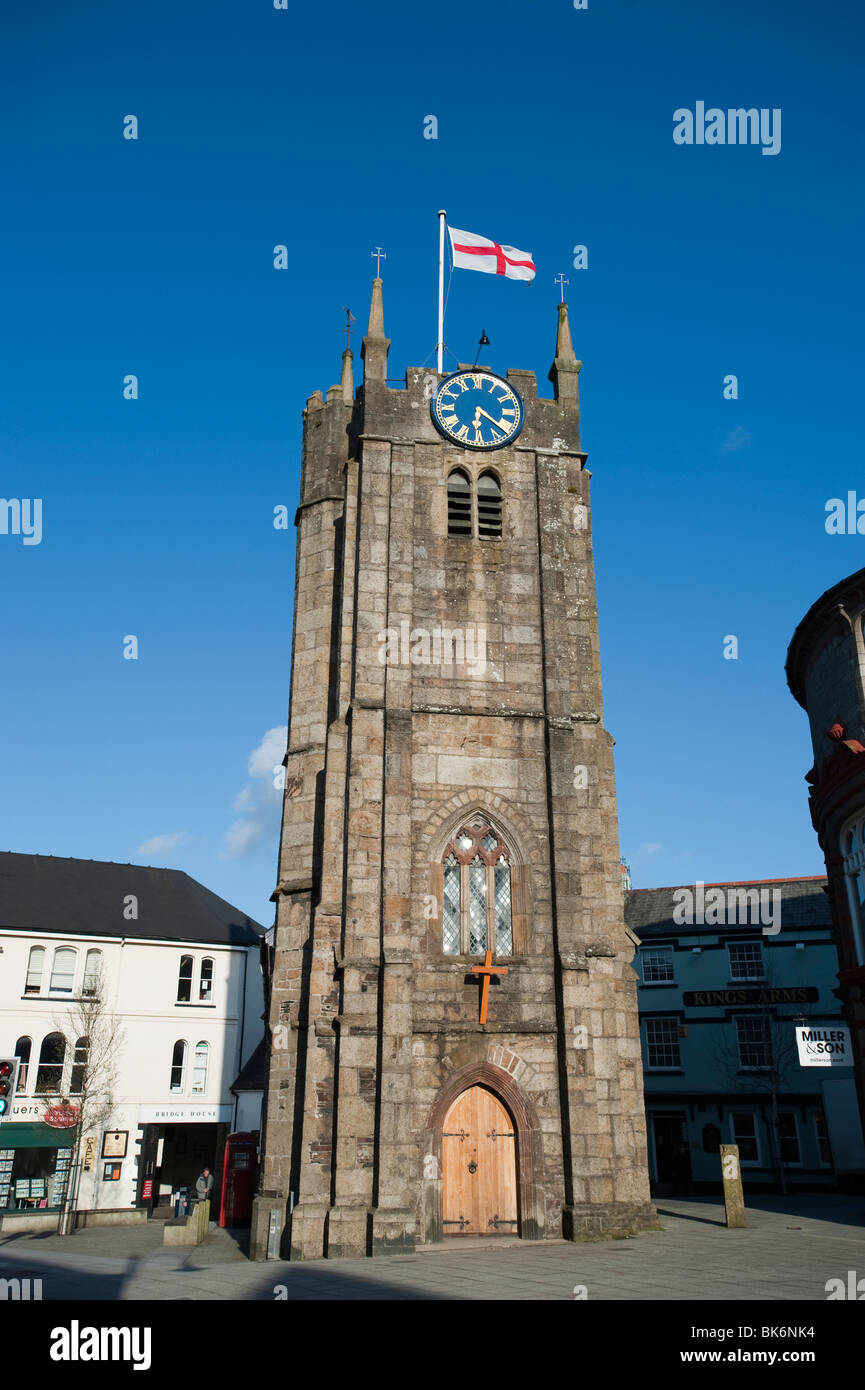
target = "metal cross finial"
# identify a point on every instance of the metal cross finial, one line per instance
(561, 282)
(379, 257)
(349, 320)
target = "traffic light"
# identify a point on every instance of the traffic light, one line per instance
(8, 1079)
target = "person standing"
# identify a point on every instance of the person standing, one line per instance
(204, 1186)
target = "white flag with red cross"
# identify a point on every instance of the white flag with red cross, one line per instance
(471, 252)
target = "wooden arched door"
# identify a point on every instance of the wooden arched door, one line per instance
(479, 1170)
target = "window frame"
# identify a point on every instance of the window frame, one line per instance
(28, 989)
(23, 1063)
(734, 1138)
(766, 1066)
(202, 1048)
(208, 997)
(61, 1064)
(498, 497)
(733, 946)
(91, 980)
(473, 474)
(183, 979)
(67, 975)
(667, 952)
(797, 1135)
(459, 471)
(179, 1090)
(79, 1065)
(466, 858)
(819, 1119)
(650, 1042)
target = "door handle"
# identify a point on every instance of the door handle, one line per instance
(473, 1167)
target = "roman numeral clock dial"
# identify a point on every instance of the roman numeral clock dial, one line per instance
(477, 410)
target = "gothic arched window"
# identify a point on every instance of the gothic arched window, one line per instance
(476, 899)
(474, 510)
(459, 504)
(489, 506)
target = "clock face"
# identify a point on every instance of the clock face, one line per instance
(477, 410)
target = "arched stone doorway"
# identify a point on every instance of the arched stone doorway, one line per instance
(479, 1169)
(514, 1104)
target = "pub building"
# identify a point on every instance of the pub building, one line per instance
(721, 996)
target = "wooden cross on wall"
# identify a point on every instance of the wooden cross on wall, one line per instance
(487, 970)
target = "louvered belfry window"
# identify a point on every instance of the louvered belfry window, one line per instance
(459, 504)
(474, 510)
(489, 506)
(476, 908)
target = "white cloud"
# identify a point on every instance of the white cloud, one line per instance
(163, 844)
(651, 847)
(269, 753)
(737, 439)
(259, 801)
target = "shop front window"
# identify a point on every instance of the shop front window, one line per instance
(33, 1179)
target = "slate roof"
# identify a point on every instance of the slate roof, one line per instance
(649, 911)
(84, 897)
(251, 1076)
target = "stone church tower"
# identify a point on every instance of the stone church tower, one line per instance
(449, 791)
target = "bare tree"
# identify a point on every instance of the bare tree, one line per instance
(93, 1037)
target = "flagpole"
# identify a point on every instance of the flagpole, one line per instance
(440, 341)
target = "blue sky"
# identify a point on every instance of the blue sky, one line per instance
(305, 127)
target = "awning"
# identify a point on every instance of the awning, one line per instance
(34, 1136)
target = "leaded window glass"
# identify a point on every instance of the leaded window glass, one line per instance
(451, 911)
(476, 906)
(504, 925)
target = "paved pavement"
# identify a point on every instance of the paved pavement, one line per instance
(788, 1251)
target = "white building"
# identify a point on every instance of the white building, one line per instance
(178, 972)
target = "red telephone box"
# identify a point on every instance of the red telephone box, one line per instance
(239, 1176)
